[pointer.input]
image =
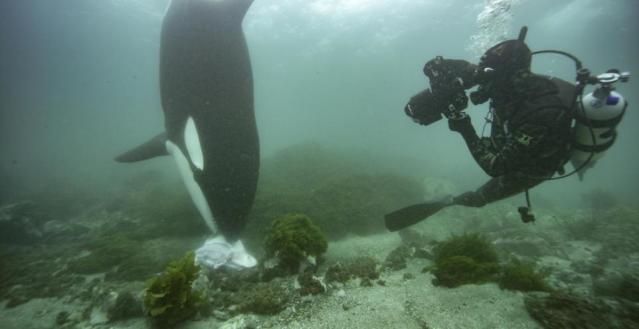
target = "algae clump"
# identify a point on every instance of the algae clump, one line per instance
(464, 259)
(292, 239)
(521, 276)
(169, 298)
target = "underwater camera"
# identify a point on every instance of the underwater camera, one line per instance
(422, 108)
(446, 97)
(428, 106)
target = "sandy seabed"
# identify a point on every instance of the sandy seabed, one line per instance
(401, 303)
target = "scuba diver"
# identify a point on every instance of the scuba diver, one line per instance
(532, 118)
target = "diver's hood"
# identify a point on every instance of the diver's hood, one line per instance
(504, 60)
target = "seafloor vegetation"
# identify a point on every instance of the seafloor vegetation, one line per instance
(123, 259)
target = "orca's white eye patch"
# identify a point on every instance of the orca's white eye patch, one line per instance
(192, 142)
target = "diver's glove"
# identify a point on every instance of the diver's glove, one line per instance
(460, 123)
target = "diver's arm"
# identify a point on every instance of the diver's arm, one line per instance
(521, 145)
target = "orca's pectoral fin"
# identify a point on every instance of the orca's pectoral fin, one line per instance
(156, 146)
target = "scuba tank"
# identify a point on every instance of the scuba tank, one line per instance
(596, 115)
(599, 112)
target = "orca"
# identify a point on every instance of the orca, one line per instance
(206, 88)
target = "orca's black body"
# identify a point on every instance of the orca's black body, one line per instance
(206, 87)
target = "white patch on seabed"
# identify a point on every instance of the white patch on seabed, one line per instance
(191, 185)
(214, 253)
(217, 252)
(241, 258)
(192, 142)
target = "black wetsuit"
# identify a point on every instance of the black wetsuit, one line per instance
(529, 140)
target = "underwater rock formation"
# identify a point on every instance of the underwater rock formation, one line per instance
(337, 273)
(342, 193)
(310, 284)
(560, 311)
(397, 259)
(347, 205)
(263, 298)
(618, 285)
(20, 223)
(438, 189)
(599, 200)
(364, 268)
(109, 306)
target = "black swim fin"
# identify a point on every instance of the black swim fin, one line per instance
(414, 214)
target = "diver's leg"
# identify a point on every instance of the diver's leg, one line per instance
(497, 188)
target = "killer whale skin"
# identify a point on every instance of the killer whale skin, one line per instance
(206, 88)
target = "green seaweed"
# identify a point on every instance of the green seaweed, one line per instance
(292, 239)
(474, 246)
(459, 270)
(464, 259)
(169, 298)
(517, 275)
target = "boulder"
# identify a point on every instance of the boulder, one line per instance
(561, 310)
(438, 189)
(20, 223)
